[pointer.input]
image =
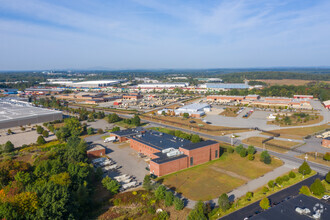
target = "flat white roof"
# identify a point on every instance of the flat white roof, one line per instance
(97, 82)
(195, 106)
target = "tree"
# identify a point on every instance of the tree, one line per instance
(73, 126)
(285, 178)
(195, 138)
(178, 203)
(8, 147)
(250, 157)
(239, 148)
(41, 140)
(249, 195)
(223, 201)
(62, 179)
(304, 168)
(317, 187)
(169, 197)
(162, 215)
(305, 190)
(327, 177)
(114, 129)
(265, 190)
(40, 129)
(147, 183)
(264, 203)
(265, 157)
(160, 192)
(111, 185)
(100, 131)
(23, 177)
(9, 131)
(251, 149)
(326, 156)
(45, 133)
(198, 213)
(271, 184)
(136, 120)
(292, 174)
(90, 131)
(185, 115)
(279, 181)
(243, 152)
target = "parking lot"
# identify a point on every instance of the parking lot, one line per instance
(127, 160)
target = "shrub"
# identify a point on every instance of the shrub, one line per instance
(265, 157)
(178, 203)
(160, 192)
(292, 174)
(317, 187)
(265, 190)
(223, 201)
(271, 184)
(90, 131)
(8, 147)
(264, 203)
(116, 202)
(239, 148)
(45, 133)
(326, 156)
(41, 140)
(22, 129)
(250, 157)
(279, 180)
(162, 215)
(115, 129)
(151, 210)
(285, 178)
(9, 131)
(304, 168)
(40, 129)
(249, 195)
(100, 131)
(169, 198)
(111, 185)
(243, 152)
(251, 149)
(305, 190)
(147, 183)
(327, 177)
(195, 138)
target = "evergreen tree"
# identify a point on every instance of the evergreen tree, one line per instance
(317, 187)
(304, 168)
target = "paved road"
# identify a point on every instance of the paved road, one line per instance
(278, 197)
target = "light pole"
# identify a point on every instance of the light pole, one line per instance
(232, 140)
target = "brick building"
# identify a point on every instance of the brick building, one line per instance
(97, 151)
(133, 96)
(169, 153)
(326, 142)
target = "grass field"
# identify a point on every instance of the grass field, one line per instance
(300, 133)
(295, 82)
(210, 180)
(257, 141)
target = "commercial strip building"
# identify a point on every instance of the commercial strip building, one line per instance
(15, 113)
(90, 98)
(133, 96)
(169, 153)
(262, 101)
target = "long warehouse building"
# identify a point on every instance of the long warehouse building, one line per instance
(15, 113)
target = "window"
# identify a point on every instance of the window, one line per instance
(191, 161)
(216, 153)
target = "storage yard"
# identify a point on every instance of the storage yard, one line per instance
(15, 113)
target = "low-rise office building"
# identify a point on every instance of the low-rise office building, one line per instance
(169, 153)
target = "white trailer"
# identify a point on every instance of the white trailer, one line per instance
(98, 160)
(126, 181)
(129, 185)
(107, 168)
(122, 177)
(109, 139)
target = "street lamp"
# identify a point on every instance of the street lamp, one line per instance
(232, 140)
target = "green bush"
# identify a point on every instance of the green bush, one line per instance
(162, 215)
(327, 177)
(160, 192)
(45, 133)
(304, 168)
(111, 185)
(249, 195)
(265, 157)
(285, 178)
(251, 149)
(8, 147)
(230, 150)
(151, 210)
(292, 174)
(326, 156)
(243, 152)
(90, 131)
(169, 197)
(41, 140)
(250, 157)
(239, 148)
(305, 190)
(115, 129)
(40, 129)
(223, 201)
(265, 190)
(178, 203)
(317, 187)
(279, 180)
(271, 184)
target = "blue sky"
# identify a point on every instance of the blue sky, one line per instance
(120, 34)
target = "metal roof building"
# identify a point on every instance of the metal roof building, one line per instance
(16, 113)
(225, 86)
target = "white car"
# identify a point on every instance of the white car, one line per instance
(326, 197)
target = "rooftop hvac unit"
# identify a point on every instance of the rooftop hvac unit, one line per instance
(173, 153)
(167, 150)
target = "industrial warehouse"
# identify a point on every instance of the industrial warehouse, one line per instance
(15, 113)
(168, 153)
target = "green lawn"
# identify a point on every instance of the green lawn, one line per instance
(210, 180)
